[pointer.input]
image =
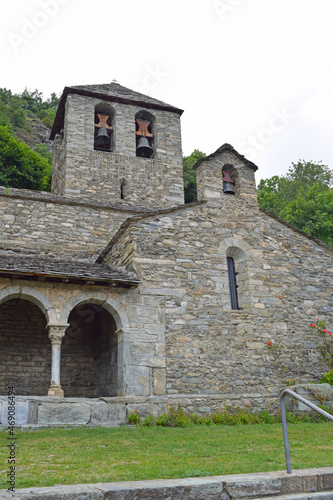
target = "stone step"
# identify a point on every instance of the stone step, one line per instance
(304, 484)
(319, 495)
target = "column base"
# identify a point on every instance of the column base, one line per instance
(55, 390)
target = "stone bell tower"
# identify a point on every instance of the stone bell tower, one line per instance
(114, 145)
(223, 173)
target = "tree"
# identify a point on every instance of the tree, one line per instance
(31, 100)
(5, 95)
(190, 182)
(44, 152)
(302, 197)
(312, 211)
(20, 167)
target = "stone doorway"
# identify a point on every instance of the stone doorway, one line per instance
(89, 353)
(25, 350)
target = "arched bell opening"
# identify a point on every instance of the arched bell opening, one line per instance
(89, 354)
(145, 134)
(229, 178)
(25, 349)
(104, 127)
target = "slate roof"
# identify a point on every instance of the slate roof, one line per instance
(221, 149)
(47, 269)
(112, 92)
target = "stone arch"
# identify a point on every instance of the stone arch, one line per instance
(25, 350)
(32, 295)
(92, 349)
(235, 243)
(108, 303)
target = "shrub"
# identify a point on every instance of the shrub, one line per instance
(327, 378)
(177, 417)
(134, 418)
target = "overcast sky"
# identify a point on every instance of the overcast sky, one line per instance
(256, 74)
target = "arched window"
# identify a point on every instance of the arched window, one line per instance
(232, 283)
(239, 290)
(104, 117)
(145, 134)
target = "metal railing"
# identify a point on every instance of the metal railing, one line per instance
(284, 420)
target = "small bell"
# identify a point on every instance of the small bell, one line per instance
(227, 189)
(227, 181)
(102, 139)
(143, 148)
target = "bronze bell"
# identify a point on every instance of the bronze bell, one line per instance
(102, 139)
(227, 189)
(143, 148)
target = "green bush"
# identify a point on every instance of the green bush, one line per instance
(327, 378)
(20, 167)
(134, 418)
(177, 417)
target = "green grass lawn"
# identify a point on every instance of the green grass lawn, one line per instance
(68, 456)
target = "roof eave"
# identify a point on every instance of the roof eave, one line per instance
(59, 119)
(222, 149)
(69, 279)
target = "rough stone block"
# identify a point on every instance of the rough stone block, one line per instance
(147, 408)
(292, 485)
(119, 491)
(248, 489)
(326, 481)
(136, 381)
(69, 492)
(310, 483)
(63, 413)
(159, 379)
(25, 413)
(107, 413)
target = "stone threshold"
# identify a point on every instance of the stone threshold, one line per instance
(304, 484)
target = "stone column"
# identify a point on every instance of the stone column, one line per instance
(56, 334)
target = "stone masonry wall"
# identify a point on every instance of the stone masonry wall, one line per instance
(79, 170)
(214, 352)
(44, 224)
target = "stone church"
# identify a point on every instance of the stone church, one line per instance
(115, 295)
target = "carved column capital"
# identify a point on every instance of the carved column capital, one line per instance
(56, 333)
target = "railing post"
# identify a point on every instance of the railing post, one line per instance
(285, 433)
(284, 420)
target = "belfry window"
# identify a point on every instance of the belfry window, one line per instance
(145, 137)
(232, 283)
(103, 138)
(228, 182)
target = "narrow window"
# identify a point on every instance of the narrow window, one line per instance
(122, 194)
(232, 283)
